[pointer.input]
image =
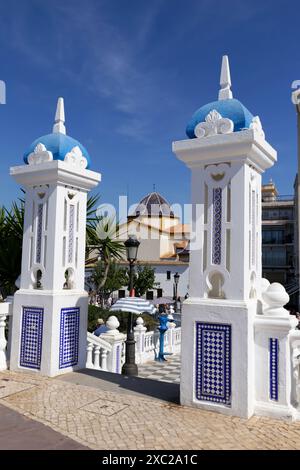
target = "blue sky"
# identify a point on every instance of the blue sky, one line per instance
(132, 73)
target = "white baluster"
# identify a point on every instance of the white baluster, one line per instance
(103, 359)
(110, 362)
(3, 343)
(140, 330)
(97, 357)
(89, 356)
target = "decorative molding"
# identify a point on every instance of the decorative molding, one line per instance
(76, 158)
(31, 337)
(213, 362)
(214, 124)
(39, 155)
(274, 298)
(257, 126)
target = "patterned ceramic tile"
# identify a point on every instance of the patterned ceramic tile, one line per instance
(213, 362)
(39, 233)
(69, 337)
(273, 344)
(217, 225)
(31, 337)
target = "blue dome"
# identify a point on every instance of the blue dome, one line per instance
(59, 144)
(232, 109)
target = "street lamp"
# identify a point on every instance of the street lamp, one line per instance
(130, 367)
(176, 280)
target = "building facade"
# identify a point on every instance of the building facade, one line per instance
(164, 246)
(165, 242)
(278, 248)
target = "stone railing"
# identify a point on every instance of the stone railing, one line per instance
(98, 351)
(277, 355)
(106, 352)
(5, 313)
(147, 343)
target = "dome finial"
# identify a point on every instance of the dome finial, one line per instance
(59, 123)
(225, 92)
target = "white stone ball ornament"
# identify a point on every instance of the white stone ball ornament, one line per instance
(275, 297)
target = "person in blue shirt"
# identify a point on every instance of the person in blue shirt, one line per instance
(101, 327)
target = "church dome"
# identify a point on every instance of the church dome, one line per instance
(58, 143)
(226, 107)
(154, 205)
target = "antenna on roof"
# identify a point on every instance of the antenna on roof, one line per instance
(154, 187)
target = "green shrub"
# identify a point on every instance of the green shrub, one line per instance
(97, 312)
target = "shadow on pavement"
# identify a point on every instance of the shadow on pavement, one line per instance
(118, 383)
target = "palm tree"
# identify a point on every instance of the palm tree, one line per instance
(103, 239)
(11, 237)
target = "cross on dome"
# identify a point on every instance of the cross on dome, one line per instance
(59, 123)
(225, 92)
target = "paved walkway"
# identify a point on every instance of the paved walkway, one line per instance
(168, 371)
(18, 432)
(103, 418)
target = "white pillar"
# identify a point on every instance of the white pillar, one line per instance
(116, 340)
(139, 336)
(273, 374)
(226, 153)
(171, 338)
(50, 308)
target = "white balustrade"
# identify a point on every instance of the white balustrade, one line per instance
(104, 352)
(107, 352)
(147, 342)
(97, 351)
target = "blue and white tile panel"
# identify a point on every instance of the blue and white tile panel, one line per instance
(217, 226)
(31, 337)
(273, 355)
(71, 233)
(213, 362)
(69, 337)
(38, 256)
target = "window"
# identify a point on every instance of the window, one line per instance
(159, 292)
(275, 256)
(273, 237)
(121, 294)
(168, 275)
(149, 295)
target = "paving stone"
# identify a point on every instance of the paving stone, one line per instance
(103, 419)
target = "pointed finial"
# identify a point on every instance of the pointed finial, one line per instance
(154, 187)
(225, 92)
(59, 124)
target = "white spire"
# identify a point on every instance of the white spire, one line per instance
(59, 124)
(225, 92)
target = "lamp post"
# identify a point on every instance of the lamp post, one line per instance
(130, 367)
(176, 280)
